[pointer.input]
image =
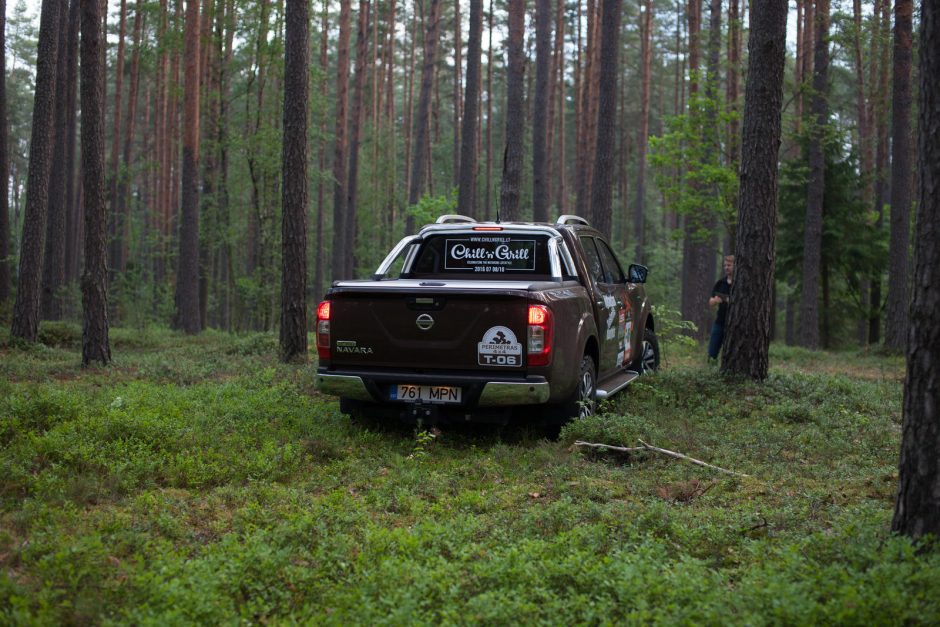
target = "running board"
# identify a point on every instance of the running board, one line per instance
(616, 383)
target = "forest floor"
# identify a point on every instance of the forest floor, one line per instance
(199, 480)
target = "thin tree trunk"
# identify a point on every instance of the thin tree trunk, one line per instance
(25, 325)
(642, 137)
(54, 260)
(117, 261)
(124, 178)
(466, 195)
(321, 160)
(188, 317)
(515, 113)
(812, 241)
(543, 50)
(421, 142)
(881, 41)
(95, 343)
(601, 186)
(489, 116)
(73, 222)
(5, 284)
(339, 151)
(898, 256)
(458, 68)
(355, 125)
(293, 333)
(917, 511)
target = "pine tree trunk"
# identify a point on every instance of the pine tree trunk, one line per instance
(352, 205)
(188, 317)
(5, 284)
(515, 114)
(95, 343)
(489, 116)
(749, 317)
(25, 325)
(543, 50)
(117, 261)
(642, 137)
(466, 195)
(294, 187)
(898, 259)
(421, 133)
(54, 260)
(917, 511)
(73, 220)
(130, 125)
(458, 113)
(812, 241)
(321, 160)
(340, 146)
(881, 42)
(604, 164)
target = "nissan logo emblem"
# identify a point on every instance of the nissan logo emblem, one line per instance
(424, 322)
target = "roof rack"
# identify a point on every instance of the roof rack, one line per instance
(571, 219)
(451, 218)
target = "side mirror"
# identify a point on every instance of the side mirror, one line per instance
(637, 273)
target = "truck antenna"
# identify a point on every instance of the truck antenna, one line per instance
(497, 215)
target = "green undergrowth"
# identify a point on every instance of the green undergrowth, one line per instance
(198, 480)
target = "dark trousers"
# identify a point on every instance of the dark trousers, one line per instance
(714, 343)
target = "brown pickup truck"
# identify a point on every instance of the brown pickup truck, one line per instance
(470, 320)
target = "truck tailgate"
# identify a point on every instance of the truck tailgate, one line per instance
(429, 331)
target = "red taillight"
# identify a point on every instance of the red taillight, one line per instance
(487, 228)
(541, 326)
(323, 330)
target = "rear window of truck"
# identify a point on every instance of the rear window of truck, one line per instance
(481, 255)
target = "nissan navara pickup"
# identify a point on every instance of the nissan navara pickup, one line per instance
(472, 320)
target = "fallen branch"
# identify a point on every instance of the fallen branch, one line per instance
(608, 447)
(691, 459)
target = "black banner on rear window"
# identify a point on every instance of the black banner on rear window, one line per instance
(490, 254)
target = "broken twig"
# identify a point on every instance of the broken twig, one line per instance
(608, 447)
(691, 459)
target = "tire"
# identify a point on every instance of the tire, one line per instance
(583, 401)
(648, 360)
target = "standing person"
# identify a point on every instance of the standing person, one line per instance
(721, 293)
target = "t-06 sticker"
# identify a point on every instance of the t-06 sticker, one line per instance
(499, 348)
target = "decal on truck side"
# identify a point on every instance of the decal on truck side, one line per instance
(499, 348)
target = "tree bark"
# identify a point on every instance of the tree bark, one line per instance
(422, 140)
(53, 271)
(354, 132)
(458, 112)
(466, 194)
(73, 221)
(515, 113)
(294, 187)
(25, 325)
(604, 164)
(130, 124)
(5, 284)
(812, 240)
(319, 261)
(339, 150)
(917, 511)
(188, 317)
(543, 51)
(749, 317)
(642, 136)
(898, 256)
(117, 264)
(95, 343)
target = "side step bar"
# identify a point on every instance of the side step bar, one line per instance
(616, 383)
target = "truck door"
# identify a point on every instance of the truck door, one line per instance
(610, 308)
(626, 330)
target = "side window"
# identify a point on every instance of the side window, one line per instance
(593, 260)
(614, 271)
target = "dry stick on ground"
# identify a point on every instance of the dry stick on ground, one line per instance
(649, 447)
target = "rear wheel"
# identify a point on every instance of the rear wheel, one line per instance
(648, 359)
(583, 400)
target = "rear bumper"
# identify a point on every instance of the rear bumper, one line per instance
(478, 391)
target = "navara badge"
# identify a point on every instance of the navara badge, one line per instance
(424, 322)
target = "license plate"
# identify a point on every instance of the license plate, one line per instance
(426, 393)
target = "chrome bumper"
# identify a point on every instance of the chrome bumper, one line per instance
(495, 393)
